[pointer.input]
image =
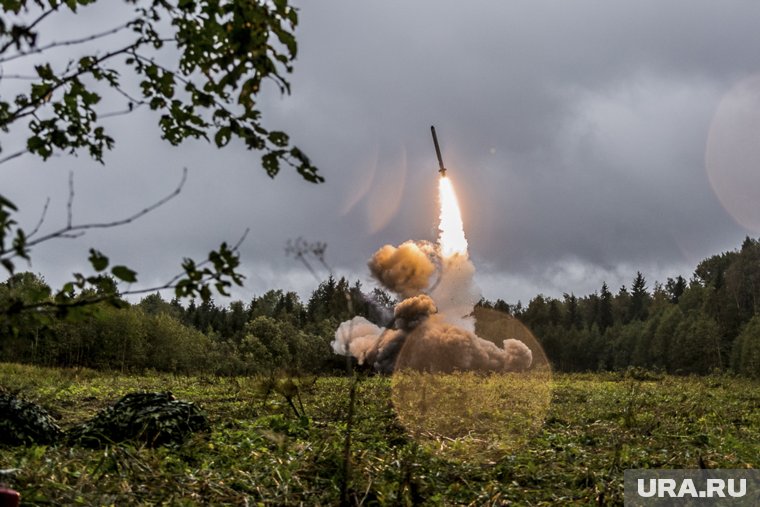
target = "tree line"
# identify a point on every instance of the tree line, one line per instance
(273, 332)
(710, 322)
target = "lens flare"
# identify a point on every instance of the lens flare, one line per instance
(451, 230)
(471, 415)
(732, 153)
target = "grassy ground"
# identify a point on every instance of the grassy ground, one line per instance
(261, 453)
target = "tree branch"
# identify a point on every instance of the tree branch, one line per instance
(70, 201)
(29, 28)
(12, 156)
(127, 96)
(70, 228)
(70, 42)
(302, 249)
(41, 220)
(99, 298)
(41, 17)
(71, 231)
(32, 106)
(123, 112)
(20, 77)
(132, 104)
(172, 282)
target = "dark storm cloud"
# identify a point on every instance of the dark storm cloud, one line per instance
(575, 134)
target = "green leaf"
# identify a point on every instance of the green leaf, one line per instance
(271, 163)
(279, 138)
(8, 265)
(98, 260)
(222, 137)
(44, 71)
(7, 204)
(125, 274)
(67, 289)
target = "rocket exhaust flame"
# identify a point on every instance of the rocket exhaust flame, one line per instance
(450, 228)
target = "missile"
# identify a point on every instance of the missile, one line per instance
(442, 169)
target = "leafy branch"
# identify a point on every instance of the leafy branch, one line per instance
(19, 33)
(194, 280)
(225, 50)
(218, 270)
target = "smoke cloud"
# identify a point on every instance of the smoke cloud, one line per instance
(438, 347)
(356, 337)
(433, 327)
(455, 292)
(411, 312)
(405, 270)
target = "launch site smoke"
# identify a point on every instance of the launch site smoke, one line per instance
(433, 327)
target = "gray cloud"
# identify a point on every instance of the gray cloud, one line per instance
(575, 133)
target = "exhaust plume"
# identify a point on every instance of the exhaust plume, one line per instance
(433, 322)
(451, 230)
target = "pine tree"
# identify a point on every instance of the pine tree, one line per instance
(675, 288)
(604, 315)
(573, 319)
(639, 304)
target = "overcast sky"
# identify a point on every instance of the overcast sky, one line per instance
(586, 140)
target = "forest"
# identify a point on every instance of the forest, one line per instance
(710, 323)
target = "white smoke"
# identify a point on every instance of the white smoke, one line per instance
(456, 293)
(356, 337)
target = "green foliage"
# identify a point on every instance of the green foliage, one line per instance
(277, 332)
(259, 451)
(227, 50)
(695, 347)
(639, 298)
(273, 334)
(152, 419)
(675, 287)
(222, 273)
(605, 317)
(25, 423)
(175, 347)
(679, 327)
(746, 353)
(223, 53)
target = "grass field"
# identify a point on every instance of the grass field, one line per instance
(260, 452)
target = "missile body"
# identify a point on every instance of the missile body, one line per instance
(442, 169)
